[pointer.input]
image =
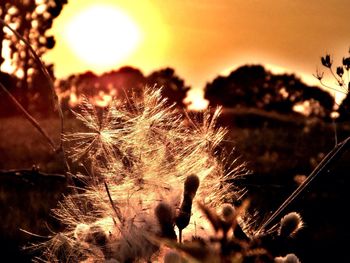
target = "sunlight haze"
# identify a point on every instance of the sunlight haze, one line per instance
(102, 36)
(201, 39)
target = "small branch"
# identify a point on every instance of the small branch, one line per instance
(29, 117)
(116, 210)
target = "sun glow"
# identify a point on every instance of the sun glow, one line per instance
(196, 101)
(102, 36)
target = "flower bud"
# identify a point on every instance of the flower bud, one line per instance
(326, 61)
(228, 213)
(346, 63)
(290, 224)
(191, 185)
(165, 218)
(290, 258)
(340, 71)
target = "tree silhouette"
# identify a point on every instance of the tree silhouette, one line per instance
(31, 19)
(253, 86)
(344, 109)
(121, 84)
(241, 88)
(173, 86)
(116, 83)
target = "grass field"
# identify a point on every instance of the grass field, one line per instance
(272, 144)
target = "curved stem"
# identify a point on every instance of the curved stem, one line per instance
(29, 117)
(51, 86)
(320, 167)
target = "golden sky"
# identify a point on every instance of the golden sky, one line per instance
(203, 38)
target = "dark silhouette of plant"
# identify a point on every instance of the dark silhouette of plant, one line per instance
(230, 243)
(342, 77)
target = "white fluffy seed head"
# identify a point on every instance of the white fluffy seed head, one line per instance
(289, 258)
(143, 152)
(290, 224)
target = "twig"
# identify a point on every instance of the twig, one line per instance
(34, 235)
(338, 149)
(29, 117)
(116, 210)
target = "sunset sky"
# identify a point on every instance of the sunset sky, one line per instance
(200, 39)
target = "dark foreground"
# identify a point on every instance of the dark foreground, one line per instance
(280, 150)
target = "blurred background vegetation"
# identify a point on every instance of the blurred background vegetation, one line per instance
(278, 125)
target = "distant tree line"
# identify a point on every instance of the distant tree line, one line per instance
(120, 84)
(249, 86)
(254, 86)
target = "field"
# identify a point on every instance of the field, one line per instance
(280, 151)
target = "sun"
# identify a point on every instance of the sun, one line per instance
(102, 36)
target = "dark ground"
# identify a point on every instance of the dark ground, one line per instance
(279, 149)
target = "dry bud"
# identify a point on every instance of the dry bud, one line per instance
(228, 213)
(165, 218)
(190, 188)
(340, 71)
(290, 224)
(191, 185)
(290, 258)
(326, 61)
(346, 63)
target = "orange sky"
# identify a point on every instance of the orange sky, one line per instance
(202, 38)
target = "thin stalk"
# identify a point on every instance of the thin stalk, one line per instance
(29, 117)
(331, 88)
(116, 210)
(340, 80)
(335, 132)
(51, 86)
(338, 149)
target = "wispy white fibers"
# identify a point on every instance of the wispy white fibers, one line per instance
(140, 154)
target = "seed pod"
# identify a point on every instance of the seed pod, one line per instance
(290, 224)
(190, 188)
(165, 218)
(290, 258)
(191, 185)
(228, 215)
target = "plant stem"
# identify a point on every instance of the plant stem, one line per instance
(51, 86)
(337, 150)
(29, 117)
(116, 210)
